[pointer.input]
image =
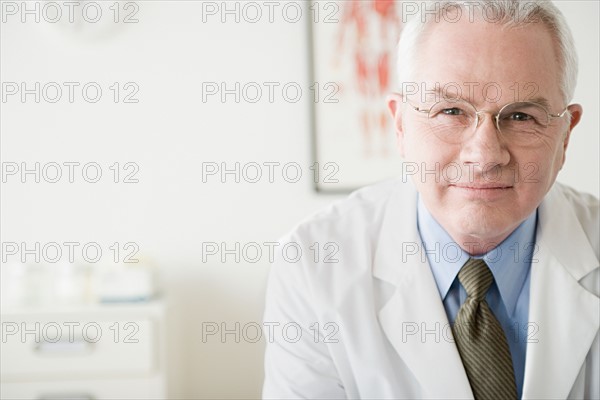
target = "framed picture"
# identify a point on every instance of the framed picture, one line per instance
(353, 60)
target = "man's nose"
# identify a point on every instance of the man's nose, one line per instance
(485, 145)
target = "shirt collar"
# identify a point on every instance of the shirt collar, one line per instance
(509, 261)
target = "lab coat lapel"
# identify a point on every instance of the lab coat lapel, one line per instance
(414, 319)
(563, 315)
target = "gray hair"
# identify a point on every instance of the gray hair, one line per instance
(506, 13)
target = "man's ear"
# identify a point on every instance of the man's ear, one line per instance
(576, 111)
(394, 102)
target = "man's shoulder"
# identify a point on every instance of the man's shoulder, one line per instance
(362, 208)
(583, 206)
(336, 246)
(581, 202)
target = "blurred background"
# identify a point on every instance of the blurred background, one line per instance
(144, 184)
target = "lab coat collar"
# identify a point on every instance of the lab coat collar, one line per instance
(414, 319)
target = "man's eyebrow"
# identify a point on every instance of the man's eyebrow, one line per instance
(445, 93)
(442, 93)
(539, 100)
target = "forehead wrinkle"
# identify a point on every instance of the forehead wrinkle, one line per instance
(449, 94)
(442, 94)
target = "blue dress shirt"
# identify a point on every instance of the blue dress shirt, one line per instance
(508, 297)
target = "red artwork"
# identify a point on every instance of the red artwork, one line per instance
(368, 33)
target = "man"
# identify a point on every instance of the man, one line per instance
(477, 277)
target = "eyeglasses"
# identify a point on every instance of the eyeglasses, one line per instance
(519, 122)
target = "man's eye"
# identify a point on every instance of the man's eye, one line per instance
(452, 111)
(520, 116)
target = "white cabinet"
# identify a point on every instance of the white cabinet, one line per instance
(92, 352)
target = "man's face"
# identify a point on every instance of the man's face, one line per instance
(486, 184)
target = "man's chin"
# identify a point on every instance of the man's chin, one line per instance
(481, 223)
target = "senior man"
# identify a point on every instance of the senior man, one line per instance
(478, 277)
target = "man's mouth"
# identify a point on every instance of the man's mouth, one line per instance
(482, 186)
(482, 191)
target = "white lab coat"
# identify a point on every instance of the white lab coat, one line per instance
(387, 334)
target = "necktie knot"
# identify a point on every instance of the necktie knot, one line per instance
(476, 278)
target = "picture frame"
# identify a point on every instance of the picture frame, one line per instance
(352, 65)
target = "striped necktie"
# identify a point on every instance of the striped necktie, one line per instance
(480, 339)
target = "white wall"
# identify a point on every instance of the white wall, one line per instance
(169, 133)
(582, 166)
